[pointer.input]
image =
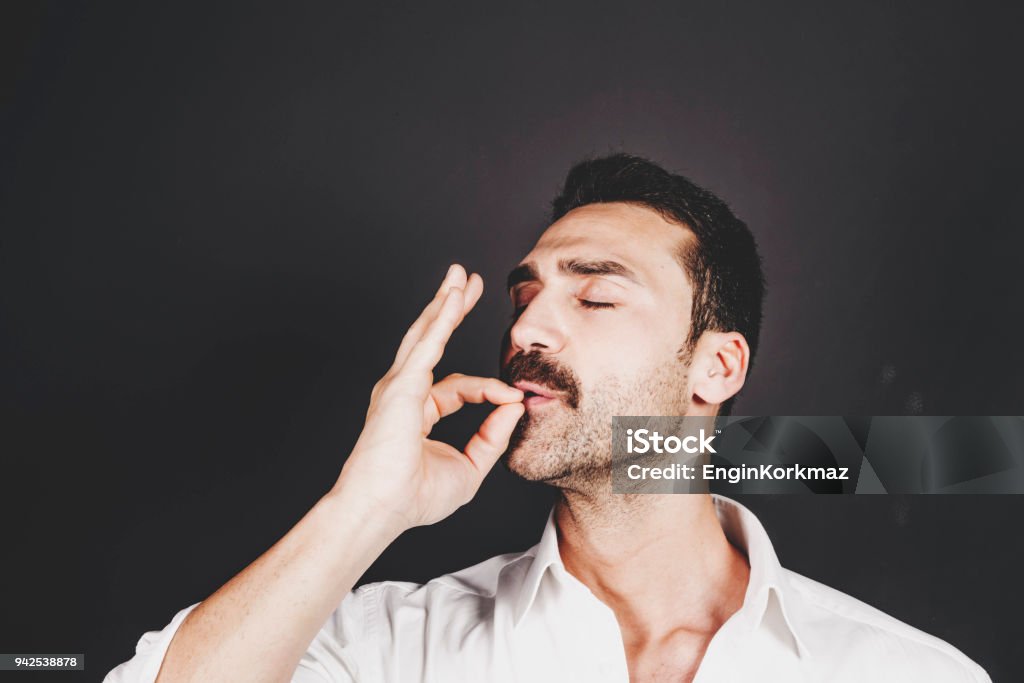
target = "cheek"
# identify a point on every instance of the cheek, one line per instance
(608, 366)
(624, 362)
(627, 344)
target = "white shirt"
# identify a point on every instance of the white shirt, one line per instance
(522, 617)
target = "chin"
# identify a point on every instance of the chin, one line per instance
(533, 458)
(557, 447)
(524, 462)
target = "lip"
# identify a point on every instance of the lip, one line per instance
(536, 395)
(532, 388)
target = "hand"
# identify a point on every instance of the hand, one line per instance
(394, 466)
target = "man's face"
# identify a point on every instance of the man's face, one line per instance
(602, 311)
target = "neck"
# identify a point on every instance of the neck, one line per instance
(660, 562)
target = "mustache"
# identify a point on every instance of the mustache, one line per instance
(544, 370)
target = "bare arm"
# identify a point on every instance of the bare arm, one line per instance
(258, 625)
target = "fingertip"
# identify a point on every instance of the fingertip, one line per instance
(500, 395)
(512, 413)
(513, 410)
(474, 290)
(455, 277)
(507, 389)
(459, 273)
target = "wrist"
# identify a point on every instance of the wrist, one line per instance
(350, 503)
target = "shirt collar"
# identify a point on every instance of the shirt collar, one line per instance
(545, 554)
(770, 602)
(767, 604)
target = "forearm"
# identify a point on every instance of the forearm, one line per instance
(258, 625)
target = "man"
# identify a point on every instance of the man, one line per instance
(642, 298)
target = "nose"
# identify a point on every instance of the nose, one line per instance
(539, 327)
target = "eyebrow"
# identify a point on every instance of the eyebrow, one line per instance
(527, 272)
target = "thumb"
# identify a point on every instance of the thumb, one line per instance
(491, 440)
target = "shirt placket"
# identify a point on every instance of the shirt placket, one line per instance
(601, 651)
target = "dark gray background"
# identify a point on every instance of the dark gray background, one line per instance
(217, 221)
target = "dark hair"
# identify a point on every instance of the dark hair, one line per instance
(723, 264)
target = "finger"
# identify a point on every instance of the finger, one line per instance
(474, 289)
(429, 349)
(491, 440)
(455, 391)
(455, 277)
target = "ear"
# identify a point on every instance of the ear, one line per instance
(718, 370)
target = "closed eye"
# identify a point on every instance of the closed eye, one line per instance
(585, 303)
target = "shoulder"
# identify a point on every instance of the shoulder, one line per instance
(853, 631)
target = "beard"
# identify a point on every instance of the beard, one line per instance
(569, 444)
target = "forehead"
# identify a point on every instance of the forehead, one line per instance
(637, 236)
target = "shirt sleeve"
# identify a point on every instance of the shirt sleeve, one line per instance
(342, 651)
(330, 658)
(149, 653)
